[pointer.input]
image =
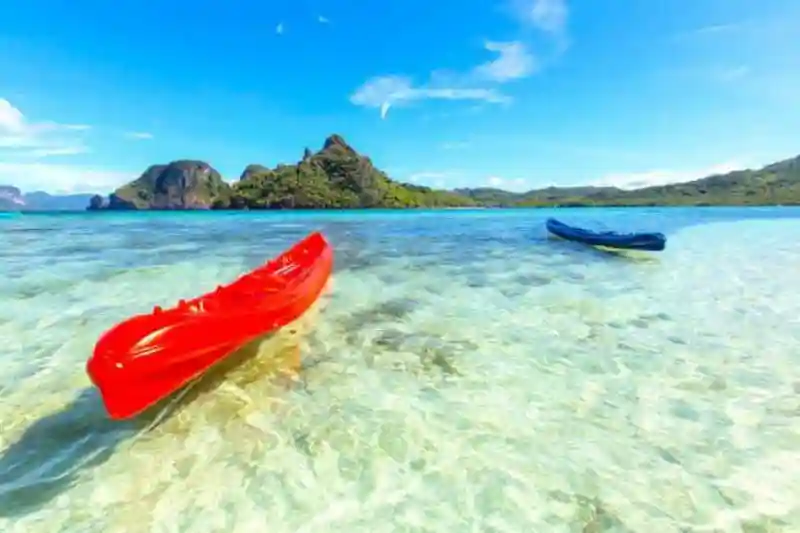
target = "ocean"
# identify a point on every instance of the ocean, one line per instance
(463, 374)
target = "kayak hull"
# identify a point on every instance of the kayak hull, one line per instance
(146, 358)
(650, 242)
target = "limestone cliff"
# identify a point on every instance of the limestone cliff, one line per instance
(181, 184)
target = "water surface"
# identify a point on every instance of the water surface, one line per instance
(465, 373)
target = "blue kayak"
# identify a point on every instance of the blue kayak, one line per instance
(651, 242)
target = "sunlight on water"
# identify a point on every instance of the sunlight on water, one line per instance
(453, 380)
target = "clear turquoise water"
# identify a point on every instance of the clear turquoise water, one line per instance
(464, 374)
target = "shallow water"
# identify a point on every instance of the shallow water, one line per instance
(465, 373)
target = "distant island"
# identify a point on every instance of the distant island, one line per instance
(12, 199)
(338, 177)
(335, 177)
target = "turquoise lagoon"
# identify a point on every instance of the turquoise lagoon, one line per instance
(464, 374)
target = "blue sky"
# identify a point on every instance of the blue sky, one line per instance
(511, 93)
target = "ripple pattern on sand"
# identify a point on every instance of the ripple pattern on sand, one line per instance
(464, 374)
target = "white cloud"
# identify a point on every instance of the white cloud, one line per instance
(438, 179)
(550, 16)
(11, 119)
(515, 184)
(714, 29)
(706, 73)
(710, 31)
(62, 179)
(279, 29)
(384, 92)
(514, 61)
(139, 135)
(54, 151)
(20, 137)
(731, 73)
(322, 20)
(76, 127)
(638, 180)
(24, 143)
(438, 176)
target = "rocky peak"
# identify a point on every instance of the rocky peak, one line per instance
(11, 197)
(181, 184)
(97, 203)
(251, 170)
(787, 165)
(336, 144)
(11, 193)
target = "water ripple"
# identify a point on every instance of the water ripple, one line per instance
(465, 374)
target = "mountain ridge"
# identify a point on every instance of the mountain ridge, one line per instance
(12, 199)
(339, 177)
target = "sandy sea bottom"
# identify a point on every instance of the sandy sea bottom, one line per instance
(537, 388)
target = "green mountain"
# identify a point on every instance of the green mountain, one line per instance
(775, 184)
(338, 177)
(334, 177)
(183, 184)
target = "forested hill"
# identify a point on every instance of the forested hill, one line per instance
(338, 177)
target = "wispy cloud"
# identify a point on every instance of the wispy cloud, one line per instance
(550, 16)
(769, 27)
(62, 179)
(717, 29)
(139, 135)
(54, 151)
(439, 179)
(75, 127)
(383, 92)
(20, 137)
(27, 147)
(323, 20)
(513, 62)
(637, 180)
(731, 73)
(711, 30)
(279, 29)
(715, 73)
(427, 175)
(512, 184)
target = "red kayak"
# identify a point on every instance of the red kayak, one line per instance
(145, 358)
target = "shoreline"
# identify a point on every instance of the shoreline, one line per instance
(407, 209)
